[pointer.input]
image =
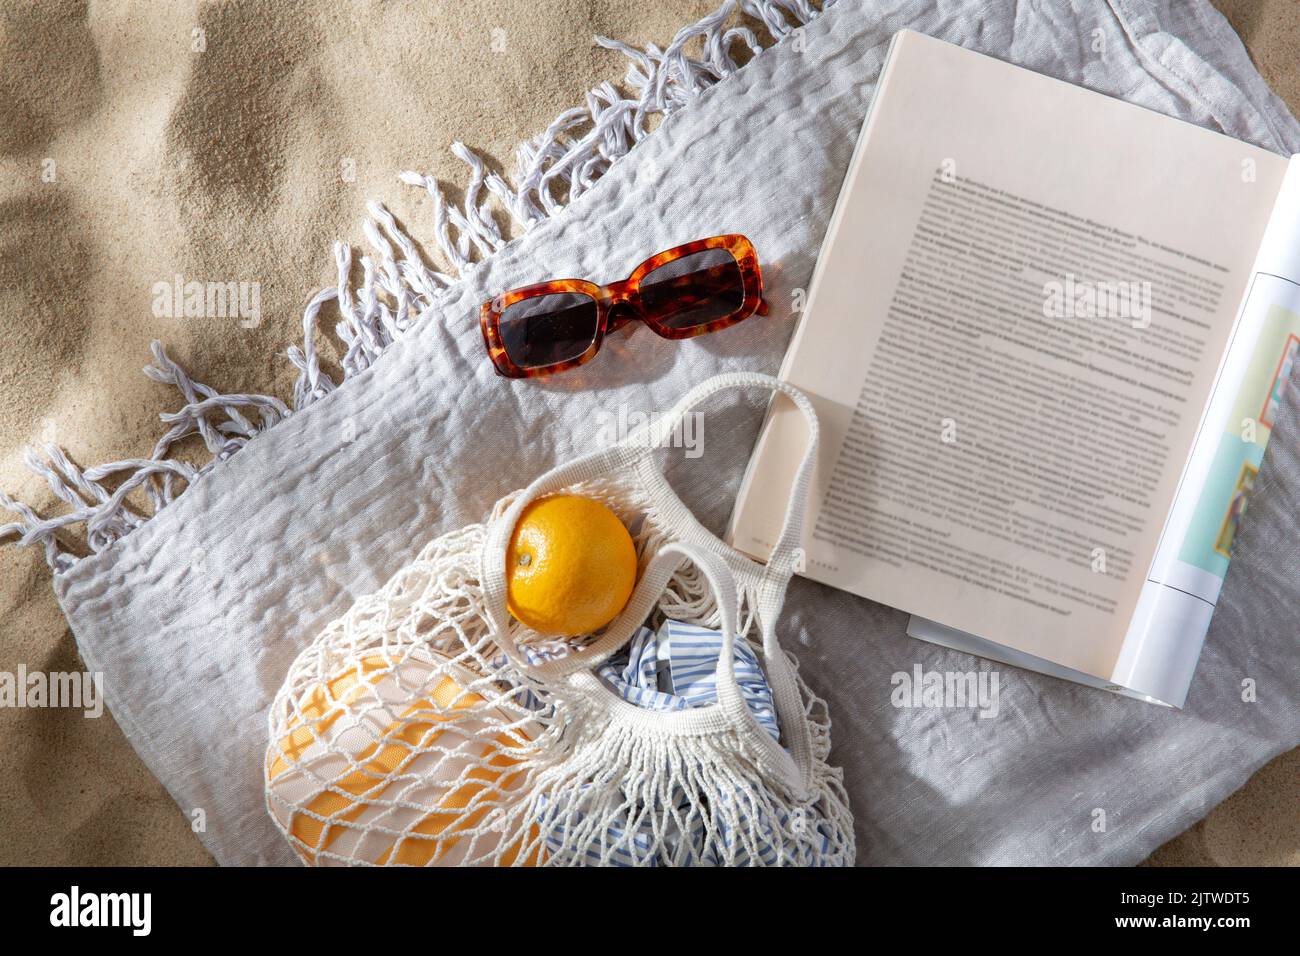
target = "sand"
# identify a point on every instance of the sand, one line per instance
(235, 141)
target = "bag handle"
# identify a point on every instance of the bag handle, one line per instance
(731, 709)
(632, 452)
(716, 572)
(731, 699)
(784, 559)
(782, 562)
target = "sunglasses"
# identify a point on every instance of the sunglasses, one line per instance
(688, 290)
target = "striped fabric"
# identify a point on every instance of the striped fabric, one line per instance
(674, 669)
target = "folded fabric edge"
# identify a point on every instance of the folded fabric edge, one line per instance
(1220, 784)
(553, 169)
(1162, 53)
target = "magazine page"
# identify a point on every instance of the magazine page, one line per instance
(1013, 330)
(1174, 611)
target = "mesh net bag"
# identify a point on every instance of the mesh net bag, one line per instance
(395, 739)
(427, 727)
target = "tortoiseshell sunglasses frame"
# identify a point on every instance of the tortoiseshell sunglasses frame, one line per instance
(626, 293)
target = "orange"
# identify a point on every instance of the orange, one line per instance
(571, 566)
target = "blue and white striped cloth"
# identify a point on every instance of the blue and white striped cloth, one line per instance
(674, 669)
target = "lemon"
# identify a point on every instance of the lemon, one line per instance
(571, 566)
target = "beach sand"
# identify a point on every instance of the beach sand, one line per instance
(235, 141)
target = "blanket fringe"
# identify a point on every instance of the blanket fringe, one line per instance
(397, 286)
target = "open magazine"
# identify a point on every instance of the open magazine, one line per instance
(1048, 336)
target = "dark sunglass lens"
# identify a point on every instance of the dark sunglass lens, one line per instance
(693, 290)
(548, 329)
